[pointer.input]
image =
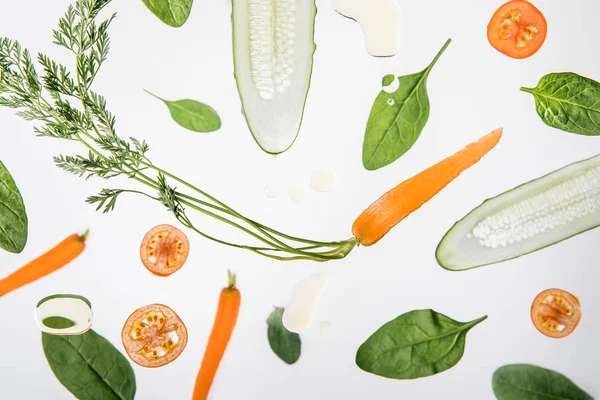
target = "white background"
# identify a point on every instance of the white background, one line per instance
(473, 89)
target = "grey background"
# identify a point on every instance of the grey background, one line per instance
(473, 89)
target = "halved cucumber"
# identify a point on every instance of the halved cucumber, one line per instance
(64, 314)
(527, 218)
(273, 47)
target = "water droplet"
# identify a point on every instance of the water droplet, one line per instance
(272, 190)
(297, 193)
(323, 180)
(392, 84)
(325, 327)
(390, 102)
(299, 313)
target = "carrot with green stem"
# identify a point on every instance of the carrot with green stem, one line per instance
(227, 313)
(410, 195)
(56, 258)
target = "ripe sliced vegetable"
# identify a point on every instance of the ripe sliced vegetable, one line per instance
(273, 47)
(154, 336)
(13, 217)
(64, 314)
(517, 29)
(89, 366)
(56, 258)
(410, 195)
(568, 102)
(555, 313)
(227, 313)
(529, 382)
(525, 219)
(417, 344)
(397, 118)
(164, 250)
(285, 344)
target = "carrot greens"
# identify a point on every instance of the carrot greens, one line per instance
(66, 107)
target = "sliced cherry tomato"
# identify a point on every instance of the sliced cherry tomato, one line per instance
(555, 313)
(153, 336)
(164, 250)
(517, 29)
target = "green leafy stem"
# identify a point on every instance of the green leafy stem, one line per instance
(66, 107)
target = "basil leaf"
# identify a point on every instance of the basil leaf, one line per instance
(193, 115)
(89, 366)
(416, 344)
(13, 217)
(284, 343)
(528, 382)
(172, 12)
(568, 102)
(397, 118)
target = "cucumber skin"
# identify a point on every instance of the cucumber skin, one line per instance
(309, 78)
(533, 250)
(440, 262)
(59, 296)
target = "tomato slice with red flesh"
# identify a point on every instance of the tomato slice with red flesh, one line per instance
(555, 313)
(164, 250)
(517, 29)
(154, 336)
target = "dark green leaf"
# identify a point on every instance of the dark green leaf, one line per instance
(528, 382)
(193, 115)
(397, 118)
(568, 102)
(284, 343)
(416, 344)
(89, 366)
(58, 322)
(13, 217)
(172, 12)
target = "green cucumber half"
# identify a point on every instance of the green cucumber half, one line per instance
(527, 218)
(273, 48)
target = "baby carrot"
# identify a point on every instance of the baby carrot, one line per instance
(227, 313)
(410, 195)
(56, 258)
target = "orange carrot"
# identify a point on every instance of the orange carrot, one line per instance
(227, 313)
(410, 195)
(56, 258)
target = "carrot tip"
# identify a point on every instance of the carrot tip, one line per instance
(84, 236)
(231, 280)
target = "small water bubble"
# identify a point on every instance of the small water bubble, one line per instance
(390, 102)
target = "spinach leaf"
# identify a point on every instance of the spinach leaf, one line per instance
(528, 382)
(397, 118)
(568, 102)
(172, 12)
(284, 343)
(13, 218)
(89, 366)
(387, 80)
(58, 322)
(193, 115)
(416, 344)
